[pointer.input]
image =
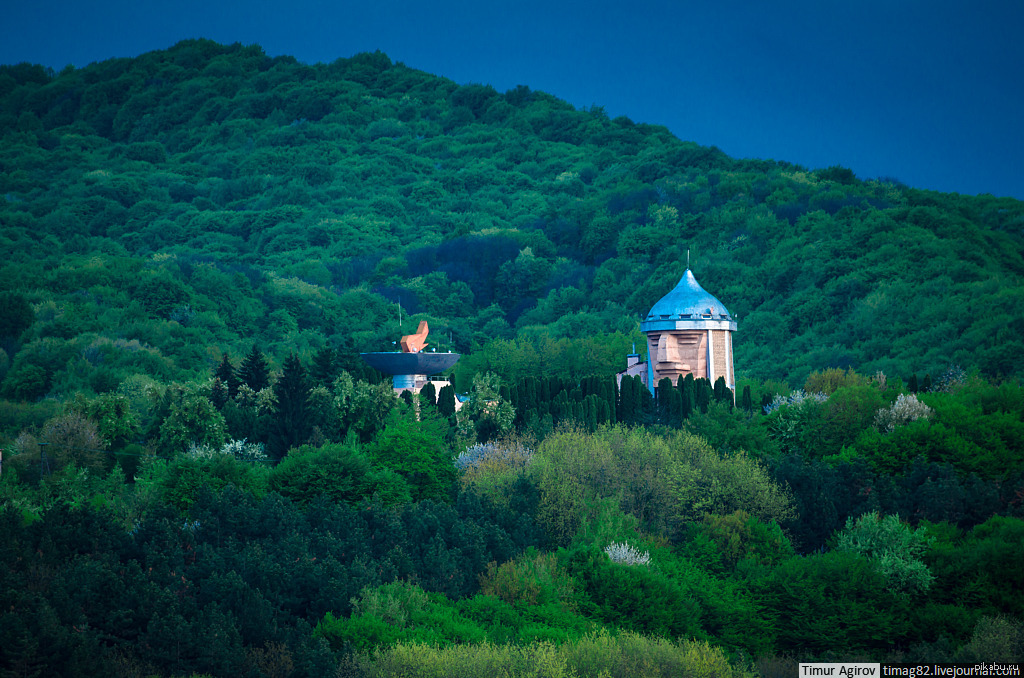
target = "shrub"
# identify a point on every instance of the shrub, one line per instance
(531, 579)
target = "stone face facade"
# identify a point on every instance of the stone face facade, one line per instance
(677, 353)
(688, 332)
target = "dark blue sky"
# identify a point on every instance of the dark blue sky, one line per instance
(930, 92)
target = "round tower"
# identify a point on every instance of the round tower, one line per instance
(689, 331)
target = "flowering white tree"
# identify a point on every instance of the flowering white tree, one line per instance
(906, 409)
(624, 554)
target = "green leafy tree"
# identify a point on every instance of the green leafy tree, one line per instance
(703, 481)
(418, 453)
(192, 419)
(16, 315)
(338, 472)
(894, 547)
(71, 439)
(491, 414)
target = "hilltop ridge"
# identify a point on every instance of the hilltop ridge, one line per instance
(195, 198)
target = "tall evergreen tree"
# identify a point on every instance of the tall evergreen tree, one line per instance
(611, 395)
(688, 396)
(747, 400)
(722, 393)
(428, 394)
(703, 394)
(219, 395)
(627, 401)
(324, 369)
(666, 394)
(290, 426)
(446, 400)
(912, 384)
(254, 371)
(226, 373)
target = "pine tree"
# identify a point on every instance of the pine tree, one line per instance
(324, 369)
(254, 371)
(226, 373)
(219, 394)
(290, 426)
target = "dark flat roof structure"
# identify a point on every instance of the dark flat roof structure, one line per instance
(410, 363)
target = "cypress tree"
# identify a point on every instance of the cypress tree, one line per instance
(428, 394)
(446, 400)
(703, 391)
(722, 393)
(627, 401)
(912, 384)
(290, 425)
(611, 395)
(747, 400)
(644, 401)
(254, 371)
(926, 385)
(688, 397)
(664, 394)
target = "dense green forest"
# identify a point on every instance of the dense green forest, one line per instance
(200, 477)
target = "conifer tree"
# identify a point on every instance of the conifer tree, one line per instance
(926, 385)
(703, 391)
(688, 396)
(747, 400)
(722, 393)
(324, 369)
(226, 373)
(290, 426)
(666, 396)
(611, 394)
(219, 395)
(254, 371)
(446, 400)
(627, 401)
(912, 383)
(428, 394)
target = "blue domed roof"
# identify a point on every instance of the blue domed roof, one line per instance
(687, 303)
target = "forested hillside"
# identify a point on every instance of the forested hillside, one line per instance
(199, 475)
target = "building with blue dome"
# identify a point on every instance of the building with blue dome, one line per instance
(688, 331)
